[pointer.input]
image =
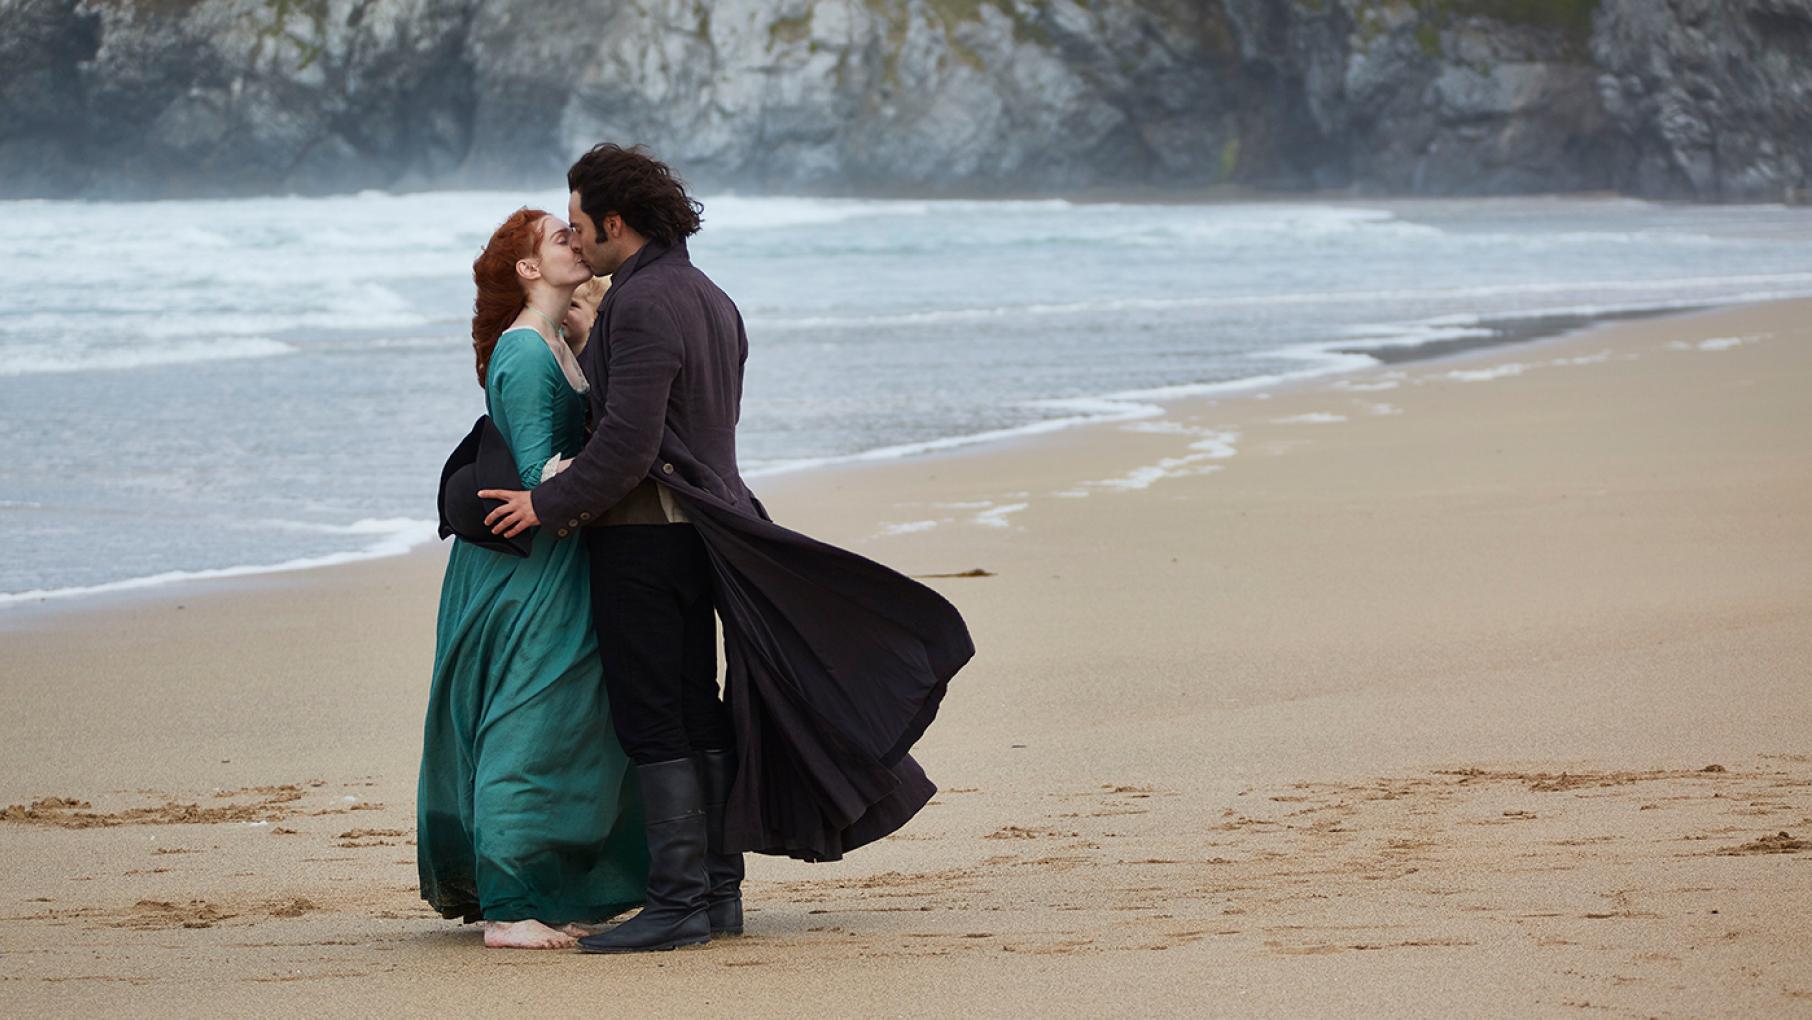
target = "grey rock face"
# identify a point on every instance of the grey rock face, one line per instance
(1709, 100)
(230, 96)
(1692, 98)
(1438, 104)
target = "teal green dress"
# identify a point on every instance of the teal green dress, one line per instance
(526, 806)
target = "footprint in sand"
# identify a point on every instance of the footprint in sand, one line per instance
(252, 804)
(369, 837)
(293, 908)
(1021, 832)
(153, 915)
(1779, 843)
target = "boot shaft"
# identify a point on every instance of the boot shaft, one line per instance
(723, 869)
(673, 801)
(674, 913)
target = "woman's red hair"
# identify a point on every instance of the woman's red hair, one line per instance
(500, 293)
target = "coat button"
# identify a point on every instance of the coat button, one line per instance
(573, 523)
(585, 515)
(562, 532)
(666, 469)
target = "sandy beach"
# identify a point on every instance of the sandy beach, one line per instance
(1473, 686)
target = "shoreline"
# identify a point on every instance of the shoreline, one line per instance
(1485, 334)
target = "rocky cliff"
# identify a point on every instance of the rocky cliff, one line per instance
(1708, 99)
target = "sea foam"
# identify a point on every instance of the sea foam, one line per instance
(46, 359)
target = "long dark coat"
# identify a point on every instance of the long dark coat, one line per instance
(835, 665)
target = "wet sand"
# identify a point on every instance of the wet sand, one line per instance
(1474, 686)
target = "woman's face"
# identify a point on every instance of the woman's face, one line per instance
(560, 264)
(581, 313)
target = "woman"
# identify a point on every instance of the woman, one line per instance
(527, 816)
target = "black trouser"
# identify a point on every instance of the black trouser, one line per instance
(652, 608)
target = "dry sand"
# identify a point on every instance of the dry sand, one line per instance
(1488, 698)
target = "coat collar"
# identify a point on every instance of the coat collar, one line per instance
(648, 254)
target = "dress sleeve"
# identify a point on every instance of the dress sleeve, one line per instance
(520, 387)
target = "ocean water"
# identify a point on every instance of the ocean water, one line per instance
(217, 387)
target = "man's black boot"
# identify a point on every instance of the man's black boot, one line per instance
(722, 868)
(674, 912)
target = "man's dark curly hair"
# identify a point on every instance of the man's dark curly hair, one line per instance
(639, 188)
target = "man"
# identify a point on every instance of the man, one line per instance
(835, 665)
(676, 347)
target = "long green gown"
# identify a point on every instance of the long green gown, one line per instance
(526, 806)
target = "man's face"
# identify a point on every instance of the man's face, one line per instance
(589, 239)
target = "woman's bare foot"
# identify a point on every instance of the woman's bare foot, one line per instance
(525, 935)
(579, 931)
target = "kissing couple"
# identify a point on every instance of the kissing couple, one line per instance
(578, 760)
